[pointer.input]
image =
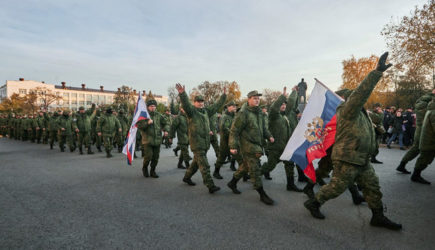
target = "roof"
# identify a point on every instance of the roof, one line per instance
(84, 89)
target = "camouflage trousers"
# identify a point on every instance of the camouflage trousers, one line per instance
(96, 139)
(325, 165)
(346, 174)
(251, 164)
(215, 144)
(68, 139)
(184, 155)
(108, 142)
(224, 152)
(414, 150)
(38, 135)
(53, 137)
(425, 158)
(151, 154)
(200, 161)
(84, 138)
(273, 160)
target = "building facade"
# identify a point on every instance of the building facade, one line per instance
(71, 97)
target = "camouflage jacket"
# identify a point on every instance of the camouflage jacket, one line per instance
(66, 123)
(179, 126)
(123, 120)
(108, 125)
(199, 123)
(152, 133)
(420, 108)
(249, 131)
(355, 137)
(225, 125)
(427, 139)
(83, 121)
(377, 120)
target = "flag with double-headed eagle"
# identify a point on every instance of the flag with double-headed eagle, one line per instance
(140, 113)
(315, 132)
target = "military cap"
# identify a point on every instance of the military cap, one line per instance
(82, 108)
(254, 93)
(232, 103)
(377, 105)
(199, 98)
(151, 102)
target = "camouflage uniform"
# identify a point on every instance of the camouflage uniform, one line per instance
(65, 130)
(108, 125)
(52, 127)
(95, 138)
(169, 121)
(355, 143)
(152, 139)
(213, 138)
(179, 127)
(377, 119)
(427, 144)
(199, 136)
(83, 123)
(224, 149)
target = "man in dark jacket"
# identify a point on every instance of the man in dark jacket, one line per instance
(353, 148)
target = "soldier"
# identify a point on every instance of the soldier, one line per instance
(353, 148)
(52, 126)
(325, 166)
(213, 137)
(377, 117)
(281, 129)
(427, 144)
(169, 119)
(65, 130)
(420, 111)
(123, 120)
(151, 132)
(224, 149)
(106, 127)
(198, 118)
(179, 126)
(247, 135)
(95, 138)
(83, 127)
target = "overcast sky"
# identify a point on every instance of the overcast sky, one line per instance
(152, 45)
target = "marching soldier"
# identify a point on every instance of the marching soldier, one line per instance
(198, 118)
(83, 128)
(65, 130)
(179, 126)
(106, 127)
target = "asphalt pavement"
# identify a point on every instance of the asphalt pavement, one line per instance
(55, 200)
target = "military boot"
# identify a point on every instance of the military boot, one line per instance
(153, 171)
(267, 176)
(301, 175)
(143, 153)
(356, 196)
(99, 149)
(216, 173)
(213, 189)
(308, 190)
(416, 177)
(320, 181)
(180, 164)
(374, 160)
(233, 165)
(189, 181)
(108, 154)
(175, 151)
(62, 149)
(145, 170)
(90, 152)
(264, 197)
(379, 220)
(51, 145)
(186, 163)
(233, 185)
(119, 149)
(81, 150)
(246, 177)
(314, 207)
(401, 168)
(291, 185)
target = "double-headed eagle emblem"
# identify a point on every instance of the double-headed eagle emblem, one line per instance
(315, 132)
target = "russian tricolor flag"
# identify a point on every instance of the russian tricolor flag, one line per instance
(315, 132)
(140, 113)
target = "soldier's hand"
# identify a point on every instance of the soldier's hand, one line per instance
(99, 133)
(170, 140)
(382, 63)
(77, 130)
(284, 92)
(233, 151)
(150, 121)
(165, 134)
(180, 88)
(37, 128)
(43, 129)
(272, 140)
(211, 132)
(63, 129)
(120, 129)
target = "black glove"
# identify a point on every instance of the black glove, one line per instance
(381, 63)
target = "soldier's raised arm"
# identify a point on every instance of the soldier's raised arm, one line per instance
(212, 109)
(359, 96)
(292, 101)
(187, 106)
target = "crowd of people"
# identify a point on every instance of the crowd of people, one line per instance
(246, 134)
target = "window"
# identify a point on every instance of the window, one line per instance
(23, 91)
(82, 103)
(74, 96)
(74, 102)
(81, 96)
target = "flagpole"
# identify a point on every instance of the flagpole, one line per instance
(321, 83)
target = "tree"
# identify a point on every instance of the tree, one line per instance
(212, 91)
(45, 96)
(125, 96)
(31, 102)
(354, 72)
(412, 40)
(269, 96)
(15, 103)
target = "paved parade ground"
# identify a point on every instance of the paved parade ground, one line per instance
(53, 200)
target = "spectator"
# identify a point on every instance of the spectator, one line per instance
(408, 120)
(397, 126)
